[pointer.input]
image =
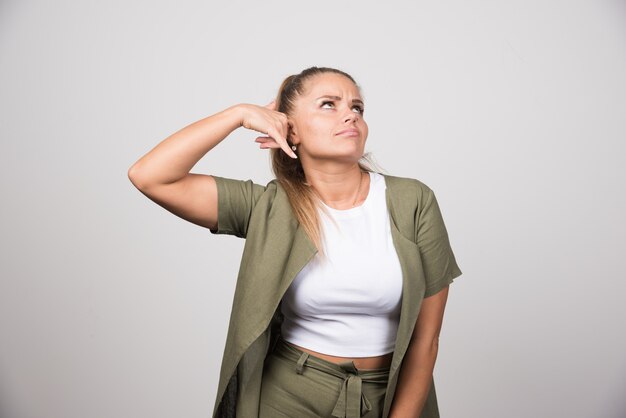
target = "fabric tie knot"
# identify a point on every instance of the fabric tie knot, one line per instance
(352, 402)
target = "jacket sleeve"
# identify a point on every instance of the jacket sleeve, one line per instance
(235, 201)
(438, 261)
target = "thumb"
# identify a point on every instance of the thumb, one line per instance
(271, 105)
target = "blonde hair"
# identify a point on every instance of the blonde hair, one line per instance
(289, 172)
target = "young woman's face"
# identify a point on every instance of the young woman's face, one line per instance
(327, 122)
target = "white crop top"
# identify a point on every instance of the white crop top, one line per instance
(349, 304)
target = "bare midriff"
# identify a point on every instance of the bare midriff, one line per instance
(361, 363)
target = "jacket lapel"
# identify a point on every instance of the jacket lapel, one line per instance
(401, 215)
(302, 250)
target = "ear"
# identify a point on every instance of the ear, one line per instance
(292, 132)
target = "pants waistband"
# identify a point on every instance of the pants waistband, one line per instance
(352, 402)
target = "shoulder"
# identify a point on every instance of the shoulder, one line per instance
(274, 188)
(407, 185)
(274, 194)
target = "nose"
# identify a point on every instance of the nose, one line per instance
(351, 116)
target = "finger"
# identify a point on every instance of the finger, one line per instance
(267, 142)
(271, 105)
(283, 143)
(269, 145)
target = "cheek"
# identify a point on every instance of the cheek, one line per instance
(315, 127)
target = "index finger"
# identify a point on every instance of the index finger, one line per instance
(282, 142)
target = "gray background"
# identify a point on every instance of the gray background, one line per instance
(513, 112)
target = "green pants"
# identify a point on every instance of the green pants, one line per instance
(297, 384)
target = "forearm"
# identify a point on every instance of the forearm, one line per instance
(175, 156)
(414, 380)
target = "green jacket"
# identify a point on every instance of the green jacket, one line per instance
(277, 248)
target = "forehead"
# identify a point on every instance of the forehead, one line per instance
(331, 84)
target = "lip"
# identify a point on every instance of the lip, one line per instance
(350, 132)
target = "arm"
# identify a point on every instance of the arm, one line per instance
(171, 160)
(416, 372)
(163, 173)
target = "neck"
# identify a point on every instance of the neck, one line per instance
(340, 190)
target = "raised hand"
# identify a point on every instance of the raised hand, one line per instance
(267, 120)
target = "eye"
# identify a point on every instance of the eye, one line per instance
(361, 109)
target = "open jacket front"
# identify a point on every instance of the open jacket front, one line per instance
(277, 248)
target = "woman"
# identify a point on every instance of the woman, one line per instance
(344, 277)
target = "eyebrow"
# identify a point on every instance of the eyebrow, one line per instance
(339, 98)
